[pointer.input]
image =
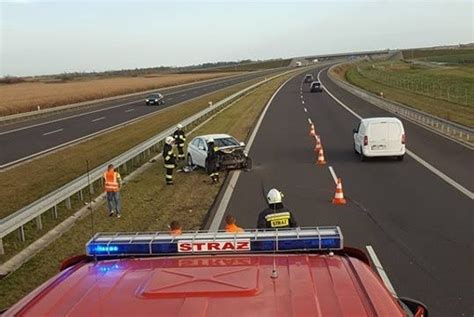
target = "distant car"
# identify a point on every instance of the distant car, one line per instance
(308, 78)
(379, 137)
(155, 99)
(231, 152)
(316, 87)
(299, 64)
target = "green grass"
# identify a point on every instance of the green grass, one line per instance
(447, 92)
(28, 182)
(148, 204)
(252, 66)
(430, 53)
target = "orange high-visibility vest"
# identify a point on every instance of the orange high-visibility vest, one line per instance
(233, 228)
(111, 181)
(176, 232)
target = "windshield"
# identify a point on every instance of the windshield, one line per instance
(226, 142)
(316, 84)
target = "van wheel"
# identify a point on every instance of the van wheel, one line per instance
(400, 158)
(362, 156)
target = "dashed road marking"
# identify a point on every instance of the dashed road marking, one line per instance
(430, 167)
(130, 110)
(305, 110)
(98, 119)
(309, 121)
(54, 131)
(380, 270)
(302, 101)
(334, 176)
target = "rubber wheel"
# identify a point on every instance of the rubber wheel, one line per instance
(362, 156)
(400, 158)
(248, 164)
(189, 160)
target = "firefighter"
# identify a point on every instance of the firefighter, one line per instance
(175, 228)
(169, 159)
(231, 226)
(180, 139)
(212, 161)
(276, 216)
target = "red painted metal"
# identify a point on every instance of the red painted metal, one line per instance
(222, 285)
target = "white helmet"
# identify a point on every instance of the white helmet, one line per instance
(169, 140)
(274, 196)
(179, 126)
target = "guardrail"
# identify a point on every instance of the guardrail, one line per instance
(34, 210)
(452, 130)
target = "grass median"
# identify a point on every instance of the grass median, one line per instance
(26, 183)
(446, 92)
(148, 204)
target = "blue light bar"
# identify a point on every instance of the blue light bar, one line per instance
(159, 243)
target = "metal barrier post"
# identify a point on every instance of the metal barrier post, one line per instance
(21, 233)
(39, 223)
(68, 203)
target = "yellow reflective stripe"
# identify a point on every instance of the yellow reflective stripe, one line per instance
(278, 215)
(167, 158)
(169, 165)
(277, 218)
(279, 223)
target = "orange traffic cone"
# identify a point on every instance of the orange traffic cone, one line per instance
(312, 131)
(321, 160)
(339, 195)
(318, 146)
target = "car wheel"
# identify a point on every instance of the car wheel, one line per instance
(189, 160)
(248, 164)
(400, 157)
(362, 156)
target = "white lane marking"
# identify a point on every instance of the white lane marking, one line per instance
(334, 176)
(232, 78)
(68, 117)
(301, 96)
(430, 167)
(235, 176)
(130, 110)
(302, 101)
(309, 121)
(97, 119)
(54, 131)
(305, 110)
(381, 270)
(32, 156)
(443, 176)
(183, 95)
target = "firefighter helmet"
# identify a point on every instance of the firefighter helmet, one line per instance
(274, 196)
(169, 140)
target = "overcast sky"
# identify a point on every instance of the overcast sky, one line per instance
(39, 37)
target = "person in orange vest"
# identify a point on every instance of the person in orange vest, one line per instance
(175, 228)
(231, 226)
(112, 184)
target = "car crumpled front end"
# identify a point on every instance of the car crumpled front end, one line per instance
(233, 157)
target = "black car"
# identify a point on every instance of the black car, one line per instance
(155, 99)
(316, 87)
(308, 78)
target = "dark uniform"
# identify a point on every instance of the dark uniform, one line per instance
(212, 162)
(180, 138)
(170, 162)
(276, 217)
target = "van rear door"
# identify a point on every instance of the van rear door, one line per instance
(378, 136)
(394, 136)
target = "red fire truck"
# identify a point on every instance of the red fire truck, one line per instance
(287, 272)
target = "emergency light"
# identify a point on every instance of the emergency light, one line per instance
(161, 243)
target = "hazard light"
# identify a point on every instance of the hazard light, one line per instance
(160, 243)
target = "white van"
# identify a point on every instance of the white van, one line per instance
(379, 137)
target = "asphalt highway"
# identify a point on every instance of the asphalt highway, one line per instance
(418, 223)
(26, 139)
